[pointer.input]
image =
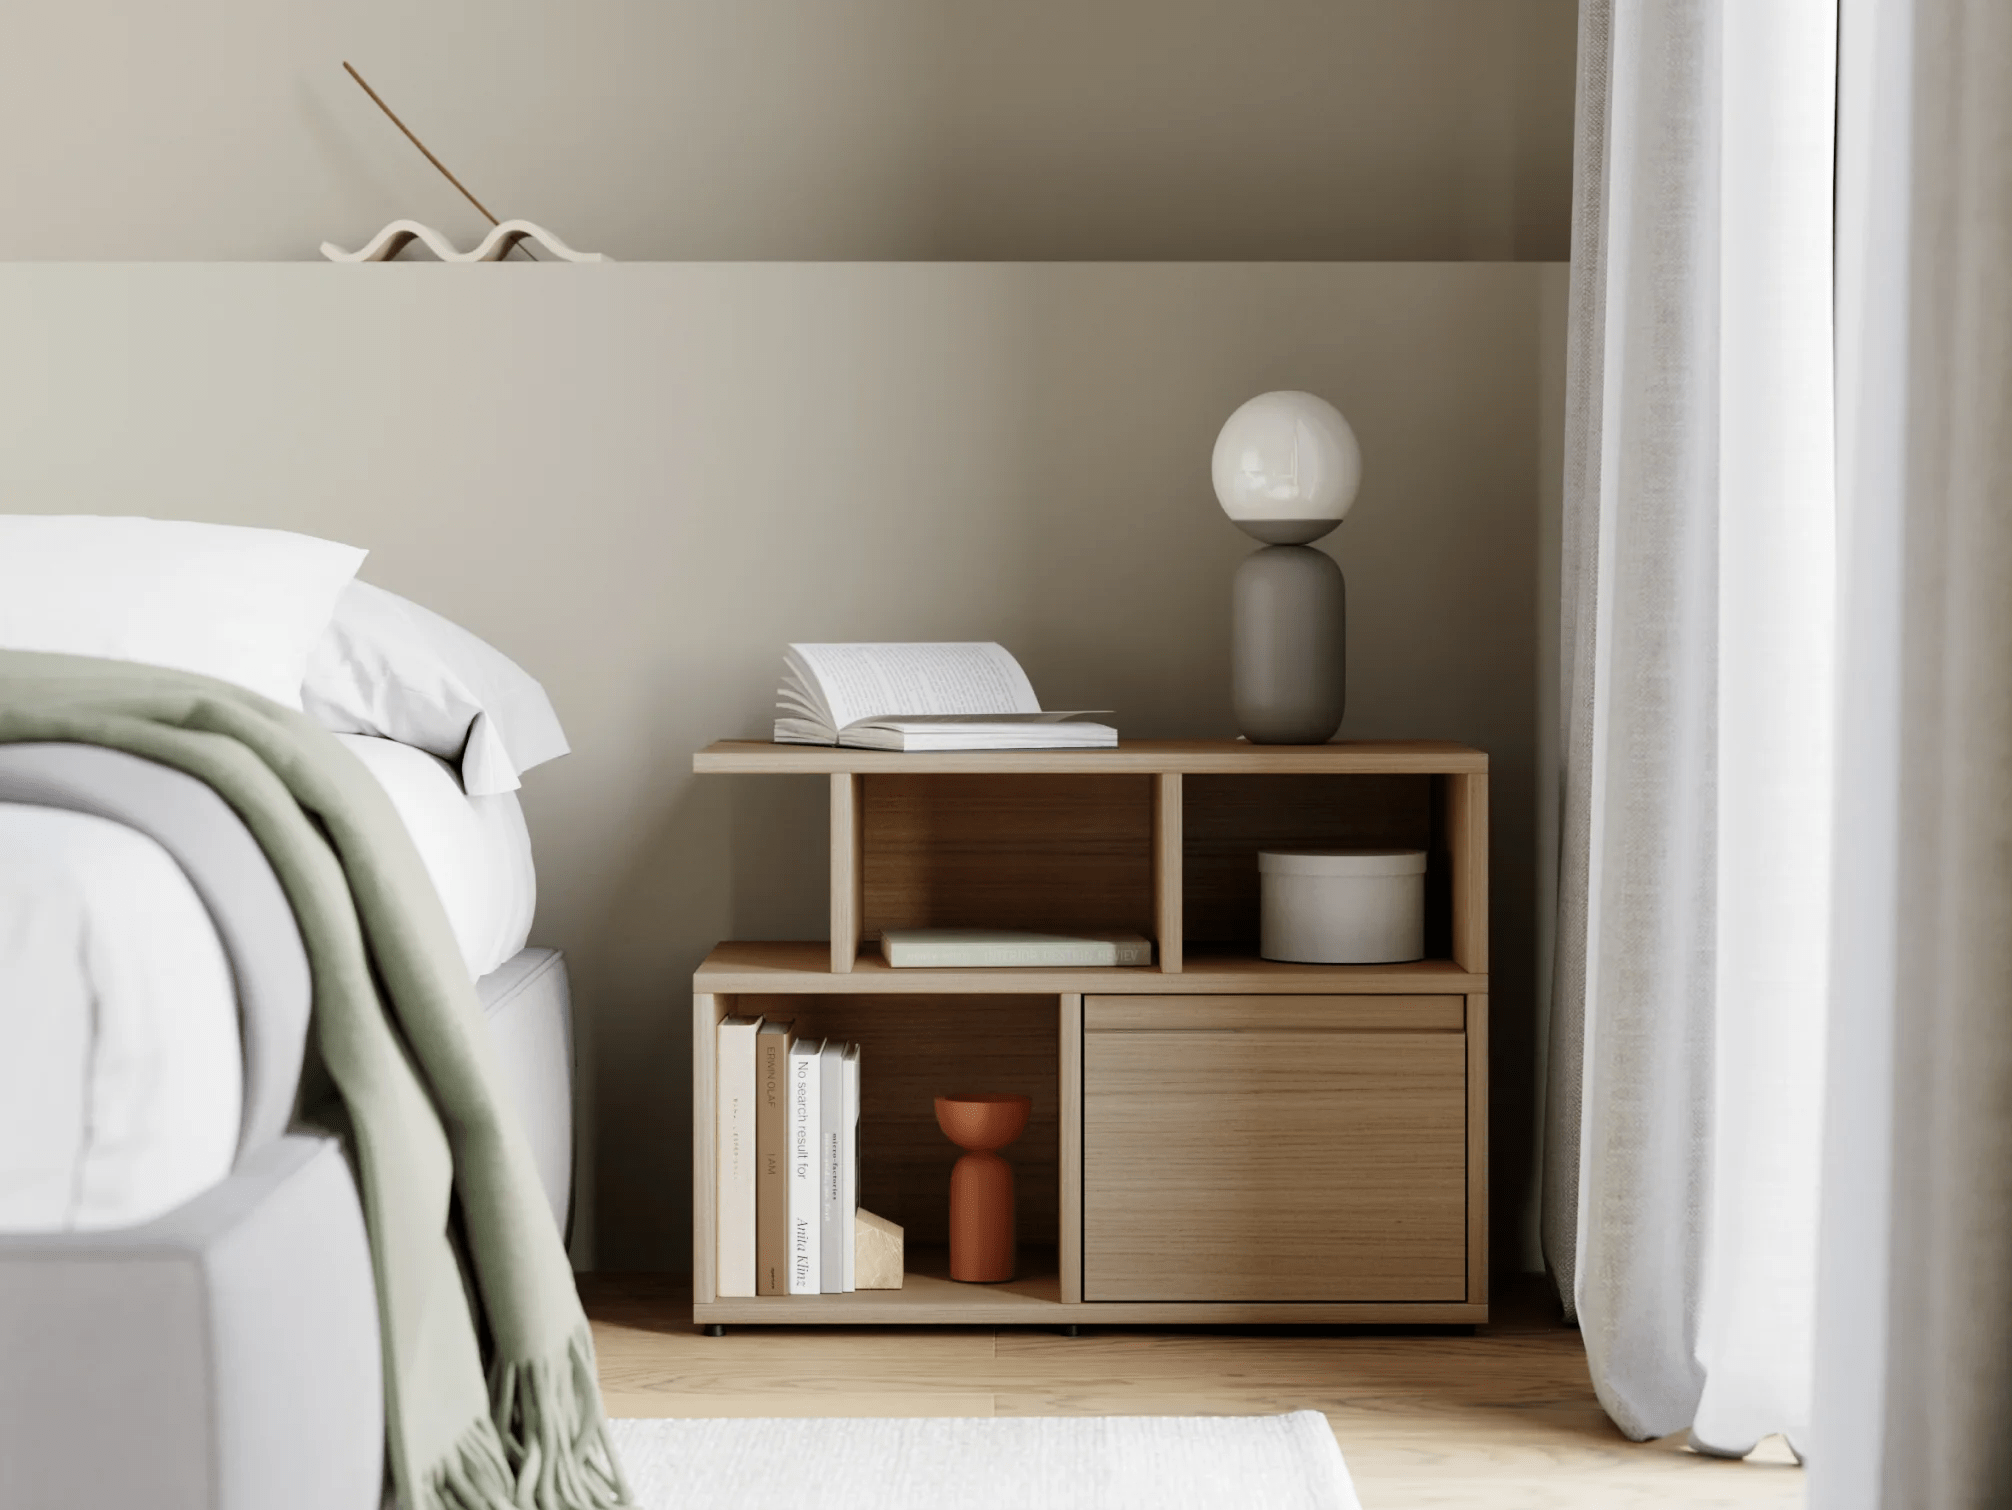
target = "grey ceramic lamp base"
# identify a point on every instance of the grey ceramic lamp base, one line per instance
(1288, 646)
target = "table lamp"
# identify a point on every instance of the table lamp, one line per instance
(1286, 467)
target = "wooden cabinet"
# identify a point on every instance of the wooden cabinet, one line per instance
(1215, 1138)
(1233, 1150)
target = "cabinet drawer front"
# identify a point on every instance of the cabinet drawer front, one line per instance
(1137, 1014)
(1274, 1165)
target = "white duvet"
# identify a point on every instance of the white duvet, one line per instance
(121, 1074)
(121, 1079)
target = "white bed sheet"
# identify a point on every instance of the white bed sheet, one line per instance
(121, 1063)
(477, 849)
(121, 1074)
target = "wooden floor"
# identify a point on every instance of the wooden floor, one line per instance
(1501, 1420)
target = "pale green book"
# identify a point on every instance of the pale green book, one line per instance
(1009, 948)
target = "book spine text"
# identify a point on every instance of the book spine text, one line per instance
(772, 1161)
(805, 1224)
(734, 1247)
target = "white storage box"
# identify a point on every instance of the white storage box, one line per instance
(1342, 907)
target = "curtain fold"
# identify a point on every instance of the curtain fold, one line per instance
(1685, 1059)
(1915, 1340)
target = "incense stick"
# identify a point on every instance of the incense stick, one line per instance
(378, 100)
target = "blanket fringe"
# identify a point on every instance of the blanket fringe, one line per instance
(554, 1435)
(545, 1446)
(475, 1475)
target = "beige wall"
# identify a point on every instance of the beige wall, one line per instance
(744, 129)
(642, 481)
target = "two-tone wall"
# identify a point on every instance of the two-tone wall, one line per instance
(642, 481)
(796, 129)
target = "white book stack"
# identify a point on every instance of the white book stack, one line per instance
(787, 1205)
(806, 1222)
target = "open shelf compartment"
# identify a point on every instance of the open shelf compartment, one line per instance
(913, 1048)
(1161, 840)
(1068, 853)
(1227, 820)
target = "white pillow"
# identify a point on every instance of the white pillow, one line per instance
(388, 667)
(243, 605)
(476, 849)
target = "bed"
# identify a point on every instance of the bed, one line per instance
(185, 1264)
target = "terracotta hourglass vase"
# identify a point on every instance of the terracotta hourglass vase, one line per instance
(981, 1183)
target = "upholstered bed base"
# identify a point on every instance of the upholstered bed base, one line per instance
(225, 1356)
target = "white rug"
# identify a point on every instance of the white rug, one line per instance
(988, 1463)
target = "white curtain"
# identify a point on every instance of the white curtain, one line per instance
(1686, 1031)
(1914, 1350)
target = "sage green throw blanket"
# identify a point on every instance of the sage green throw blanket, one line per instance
(398, 1028)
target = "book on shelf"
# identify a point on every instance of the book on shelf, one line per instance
(920, 697)
(735, 1151)
(831, 1167)
(788, 1161)
(848, 1181)
(1009, 948)
(772, 1044)
(805, 1124)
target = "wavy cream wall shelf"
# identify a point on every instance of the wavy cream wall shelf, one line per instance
(400, 234)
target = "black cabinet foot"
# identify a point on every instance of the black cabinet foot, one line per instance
(714, 1329)
(1070, 1331)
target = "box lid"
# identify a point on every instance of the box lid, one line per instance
(1341, 862)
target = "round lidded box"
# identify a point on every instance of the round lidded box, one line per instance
(1342, 906)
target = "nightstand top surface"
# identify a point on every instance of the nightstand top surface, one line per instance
(797, 968)
(1362, 757)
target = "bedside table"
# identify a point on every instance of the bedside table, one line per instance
(1216, 1138)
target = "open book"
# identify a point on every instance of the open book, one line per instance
(920, 697)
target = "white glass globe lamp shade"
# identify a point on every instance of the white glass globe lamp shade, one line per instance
(1286, 467)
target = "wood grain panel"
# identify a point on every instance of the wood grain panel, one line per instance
(803, 968)
(1244, 1014)
(1168, 928)
(1282, 1166)
(1477, 1149)
(1008, 852)
(1369, 757)
(1069, 1242)
(707, 1010)
(847, 855)
(1465, 825)
(916, 1048)
(1228, 819)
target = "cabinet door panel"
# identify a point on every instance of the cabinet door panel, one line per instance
(1274, 1165)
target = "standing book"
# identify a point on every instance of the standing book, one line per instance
(734, 1224)
(806, 1122)
(848, 1184)
(772, 1159)
(831, 1168)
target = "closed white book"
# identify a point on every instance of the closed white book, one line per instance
(735, 1150)
(806, 1275)
(1010, 948)
(848, 1184)
(830, 1162)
